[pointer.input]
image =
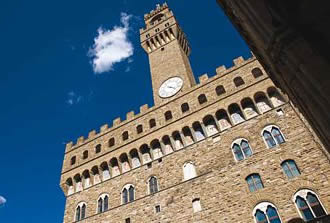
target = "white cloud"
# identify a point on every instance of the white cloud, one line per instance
(2, 200)
(73, 98)
(111, 46)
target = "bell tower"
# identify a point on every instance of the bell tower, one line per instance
(168, 50)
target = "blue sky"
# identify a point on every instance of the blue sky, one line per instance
(51, 93)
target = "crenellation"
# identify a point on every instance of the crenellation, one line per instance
(221, 70)
(238, 61)
(194, 151)
(116, 122)
(80, 140)
(203, 78)
(144, 108)
(91, 134)
(104, 128)
(130, 115)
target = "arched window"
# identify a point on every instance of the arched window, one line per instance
(111, 142)
(275, 97)
(187, 135)
(78, 182)
(185, 107)
(178, 144)
(80, 211)
(98, 148)
(290, 169)
(254, 182)
(135, 158)
(236, 113)
(262, 102)
(128, 193)
(168, 147)
(223, 119)
(238, 81)
(257, 72)
(105, 171)
(266, 212)
(73, 160)
(124, 163)
(96, 175)
(103, 203)
(156, 149)
(220, 90)
(69, 184)
(168, 115)
(152, 123)
(272, 136)
(199, 133)
(85, 154)
(210, 125)
(139, 129)
(125, 135)
(115, 171)
(153, 185)
(241, 149)
(308, 205)
(249, 108)
(145, 151)
(87, 179)
(202, 99)
(189, 171)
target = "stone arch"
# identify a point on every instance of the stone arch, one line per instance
(256, 72)
(168, 147)
(135, 158)
(210, 125)
(96, 175)
(105, 171)
(115, 170)
(236, 113)
(249, 108)
(275, 97)
(125, 166)
(198, 131)
(238, 81)
(178, 143)
(146, 155)
(262, 102)
(188, 137)
(78, 182)
(87, 179)
(156, 149)
(223, 119)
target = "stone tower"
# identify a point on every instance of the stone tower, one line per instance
(231, 148)
(168, 50)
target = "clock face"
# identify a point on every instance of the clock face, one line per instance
(170, 87)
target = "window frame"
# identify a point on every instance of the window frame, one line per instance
(80, 205)
(303, 193)
(239, 142)
(263, 206)
(286, 162)
(268, 129)
(254, 181)
(127, 187)
(102, 196)
(149, 187)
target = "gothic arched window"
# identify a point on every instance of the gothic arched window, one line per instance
(266, 213)
(254, 182)
(103, 203)
(308, 205)
(80, 211)
(153, 185)
(241, 149)
(272, 136)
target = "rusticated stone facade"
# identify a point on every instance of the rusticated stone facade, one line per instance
(239, 104)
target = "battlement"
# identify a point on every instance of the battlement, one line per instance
(158, 9)
(117, 122)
